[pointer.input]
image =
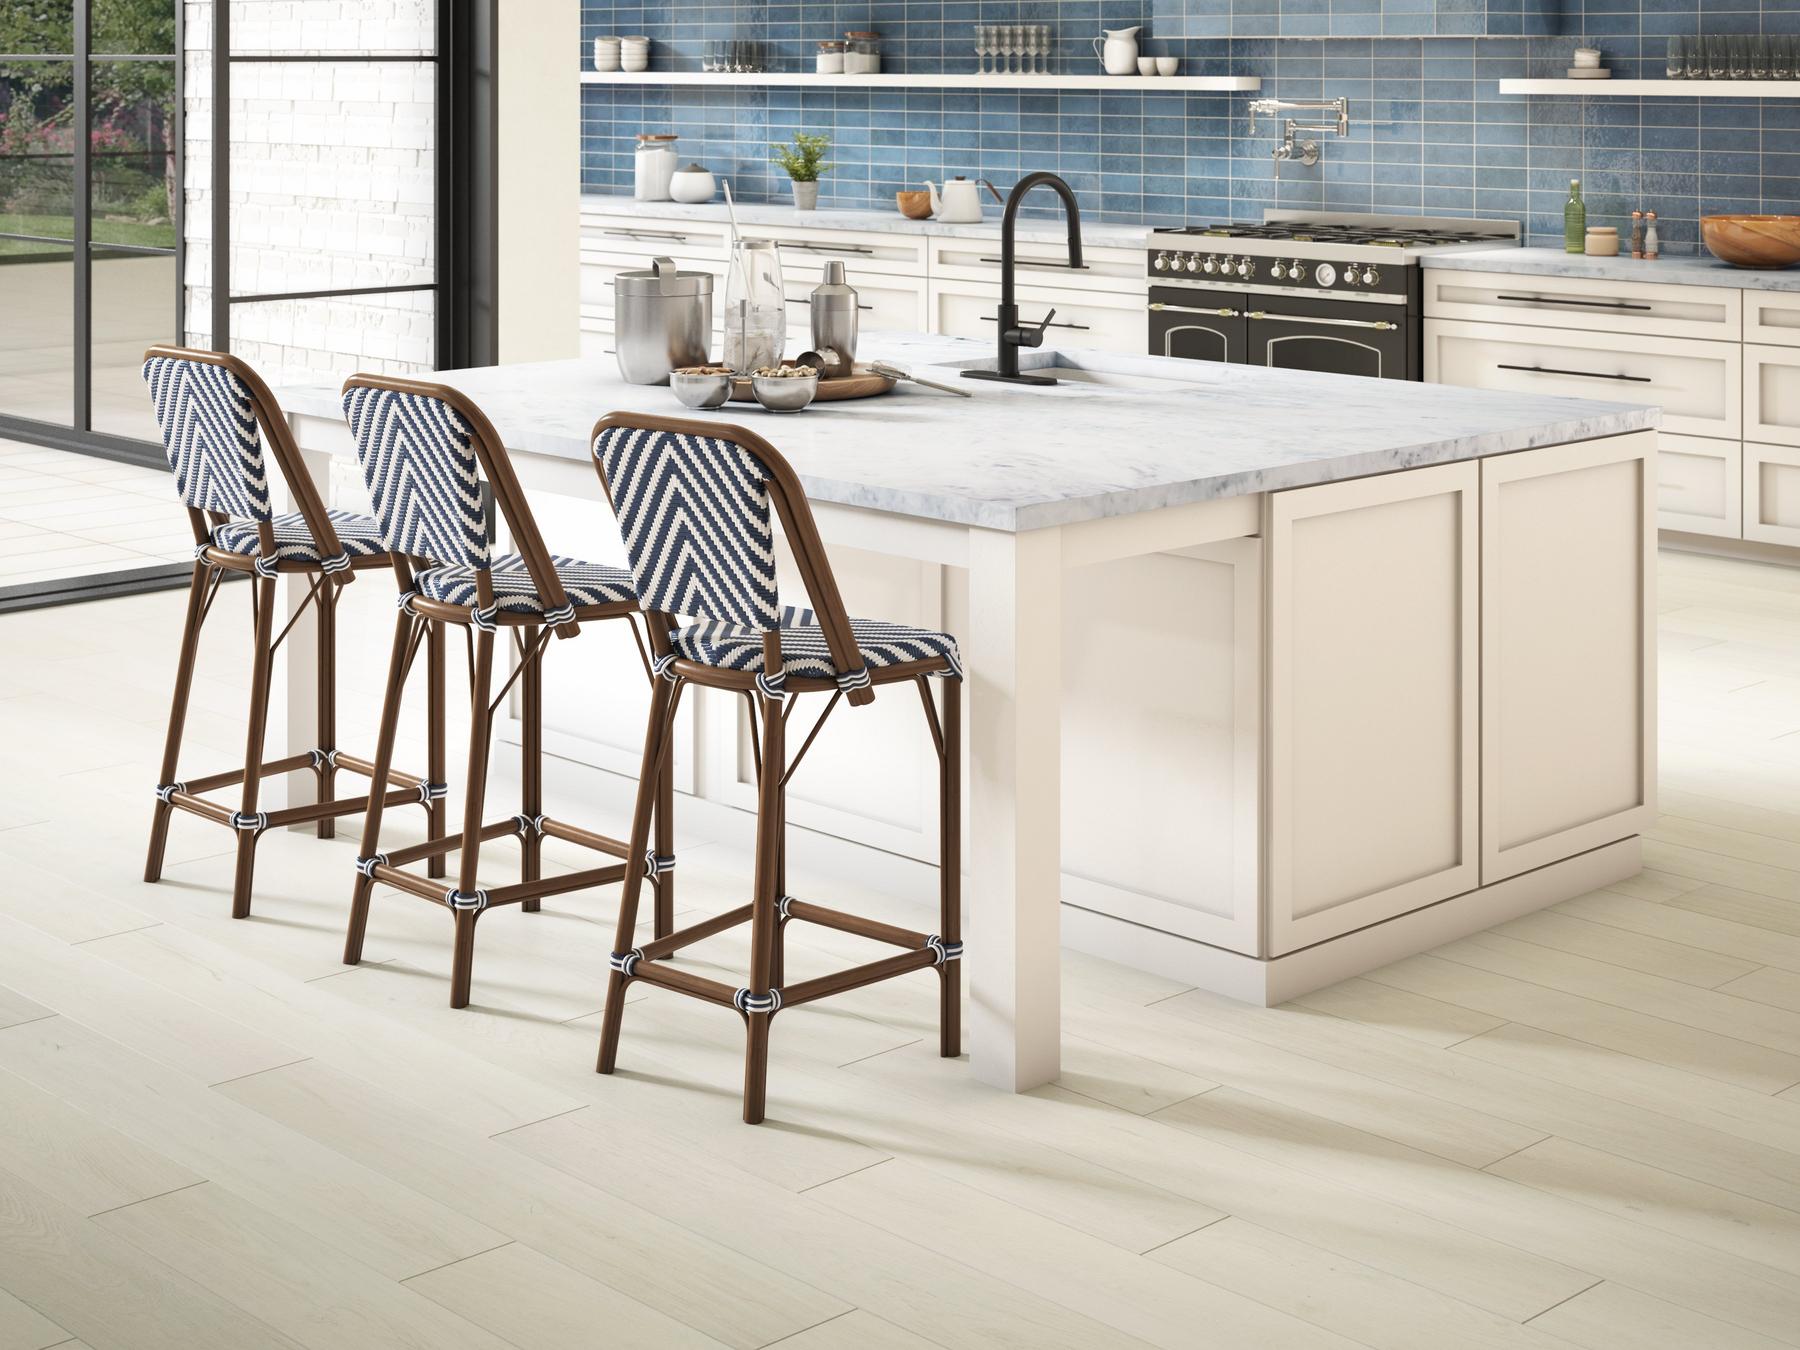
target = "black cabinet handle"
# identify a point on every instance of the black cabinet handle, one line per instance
(810, 247)
(1590, 304)
(1584, 374)
(1042, 262)
(989, 318)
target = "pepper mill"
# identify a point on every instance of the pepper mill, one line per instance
(834, 310)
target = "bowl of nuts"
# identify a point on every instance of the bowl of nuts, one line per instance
(784, 388)
(701, 386)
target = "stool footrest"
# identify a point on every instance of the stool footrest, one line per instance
(574, 834)
(686, 937)
(855, 977)
(889, 933)
(685, 982)
(232, 777)
(556, 885)
(447, 843)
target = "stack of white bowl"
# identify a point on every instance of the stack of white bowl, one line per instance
(621, 53)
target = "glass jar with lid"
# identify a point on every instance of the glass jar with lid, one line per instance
(654, 166)
(862, 53)
(830, 60)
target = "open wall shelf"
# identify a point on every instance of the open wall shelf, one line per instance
(1148, 84)
(1657, 88)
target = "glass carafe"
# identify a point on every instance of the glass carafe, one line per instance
(755, 306)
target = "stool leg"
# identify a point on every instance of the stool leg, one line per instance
(184, 681)
(665, 843)
(950, 871)
(378, 781)
(778, 963)
(437, 813)
(327, 698)
(763, 918)
(474, 799)
(657, 735)
(531, 771)
(253, 742)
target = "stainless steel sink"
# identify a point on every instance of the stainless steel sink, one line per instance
(1099, 368)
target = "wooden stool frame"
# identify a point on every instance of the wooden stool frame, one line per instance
(771, 909)
(211, 566)
(423, 619)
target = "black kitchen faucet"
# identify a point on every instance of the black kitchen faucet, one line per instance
(1013, 334)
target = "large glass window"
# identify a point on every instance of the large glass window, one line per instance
(90, 211)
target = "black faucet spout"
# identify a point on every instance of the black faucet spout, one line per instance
(1013, 333)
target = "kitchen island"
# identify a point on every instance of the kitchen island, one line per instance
(1272, 677)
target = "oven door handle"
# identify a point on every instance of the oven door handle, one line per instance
(1381, 324)
(1195, 309)
(1584, 374)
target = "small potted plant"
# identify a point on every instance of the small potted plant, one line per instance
(804, 161)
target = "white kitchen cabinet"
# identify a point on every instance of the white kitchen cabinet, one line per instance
(1115, 270)
(1772, 394)
(1192, 719)
(1700, 486)
(1652, 309)
(1567, 651)
(1092, 319)
(1697, 384)
(888, 303)
(1772, 494)
(1372, 802)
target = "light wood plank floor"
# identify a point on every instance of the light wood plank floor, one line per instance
(1579, 1129)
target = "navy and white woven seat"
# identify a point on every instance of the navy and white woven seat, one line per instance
(359, 535)
(804, 654)
(515, 592)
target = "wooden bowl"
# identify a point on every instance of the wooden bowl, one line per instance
(913, 205)
(1753, 241)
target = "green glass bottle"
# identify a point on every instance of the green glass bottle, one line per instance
(1574, 220)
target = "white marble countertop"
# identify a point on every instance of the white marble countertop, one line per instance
(1553, 262)
(1096, 234)
(1012, 457)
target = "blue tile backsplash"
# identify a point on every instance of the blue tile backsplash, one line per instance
(1430, 131)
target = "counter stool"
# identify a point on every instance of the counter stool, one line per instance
(693, 500)
(425, 450)
(214, 411)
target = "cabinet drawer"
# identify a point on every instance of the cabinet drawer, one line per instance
(1700, 486)
(1609, 307)
(1772, 394)
(1105, 323)
(644, 238)
(1772, 316)
(804, 252)
(1695, 383)
(1117, 270)
(1772, 493)
(893, 304)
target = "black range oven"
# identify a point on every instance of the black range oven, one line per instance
(1332, 293)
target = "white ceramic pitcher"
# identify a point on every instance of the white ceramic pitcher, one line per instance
(1119, 52)
(960, 201)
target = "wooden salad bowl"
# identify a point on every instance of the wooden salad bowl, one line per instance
(1753, 241)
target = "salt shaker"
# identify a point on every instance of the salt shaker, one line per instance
(1652, 246)
(1637, 234)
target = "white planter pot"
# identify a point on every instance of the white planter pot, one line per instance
(806, 196)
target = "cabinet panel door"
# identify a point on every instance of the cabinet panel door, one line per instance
(1608, 308)
(1112, 323)
(1160, 776)
(1697, 384)
(1772, 394)
(891, 304)
(1700, 486)
(1372, 700)
(1772, 316)
(1568, 749)
(1772, 494)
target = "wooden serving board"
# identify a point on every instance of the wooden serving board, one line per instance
(860, 383)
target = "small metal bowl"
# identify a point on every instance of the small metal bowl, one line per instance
(784, 393)
(700, 391)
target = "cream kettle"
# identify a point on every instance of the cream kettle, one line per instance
(960, 202)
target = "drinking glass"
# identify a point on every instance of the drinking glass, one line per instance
(1043, 46)
(1739, 50)
(1676, 68)
(1759, 58)
(1781, 57)
(981, 48)
(1695, 49)
(715, 58)
(1015, 48)
(1718, 58)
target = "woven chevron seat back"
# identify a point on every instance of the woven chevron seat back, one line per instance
(207, 416)
(695, 514)
(419, 460)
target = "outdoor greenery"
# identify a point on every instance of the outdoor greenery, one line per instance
(132, 156)
(804, 160)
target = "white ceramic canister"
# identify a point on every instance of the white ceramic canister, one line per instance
(655, 166)
(692, 184)
(606, 54)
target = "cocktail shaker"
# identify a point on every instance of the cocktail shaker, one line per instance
(834, 308)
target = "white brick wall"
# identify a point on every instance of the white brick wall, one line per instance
(332, 185)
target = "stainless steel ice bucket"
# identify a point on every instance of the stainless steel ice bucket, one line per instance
(662, 319)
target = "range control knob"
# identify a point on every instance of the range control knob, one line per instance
(1193, 262)
(1297, 270)
(1160, 262)
(1326, 274)
(1370, 276)
(1209, 265)
(1245, 267)
(1276, 270)
(1350, 276)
